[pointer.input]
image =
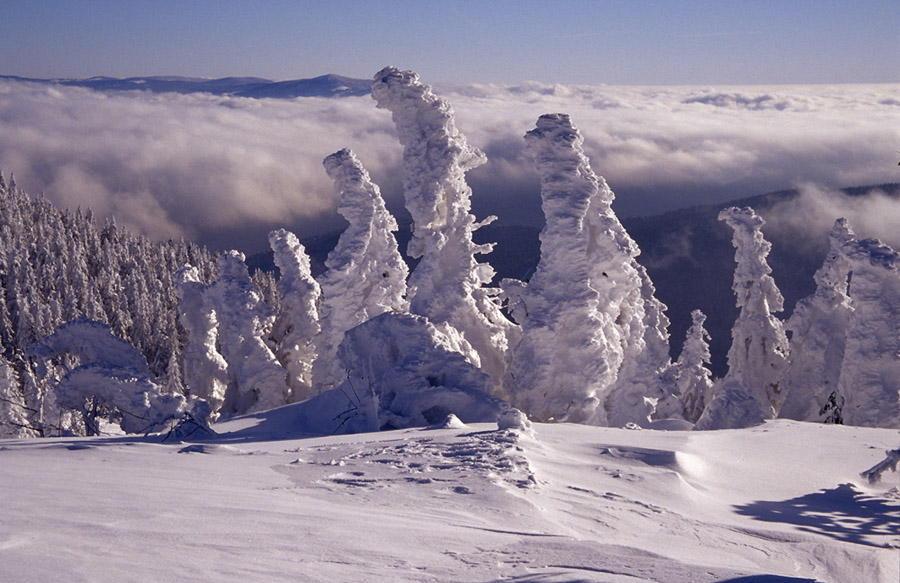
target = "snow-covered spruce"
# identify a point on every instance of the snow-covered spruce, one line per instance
(818, 329)
(111, 377)
(694, 379)
(205, 370)
(870, 375)
(448, 285)
(297, 322)
(366, 274)
(751, 390)
(256, 380)
(402, 371)
(583, 356)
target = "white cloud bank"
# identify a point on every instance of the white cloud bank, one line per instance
(226, 170)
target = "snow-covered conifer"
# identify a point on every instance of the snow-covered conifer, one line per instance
(256, 379)
(448, 285)
(205, 370)
(366, 274)
(297, 322)
(692, 375)
(818, 329)
(870, 375)
(586, 354)
(759, 346)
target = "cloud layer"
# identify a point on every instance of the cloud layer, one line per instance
(226, 170)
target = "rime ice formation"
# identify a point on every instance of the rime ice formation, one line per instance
(448, 285)
(589, 305)
(818, 330)
(366, 275)
(691, 373)
(402, 371)
(759, 347)
(110, 373)
(870, 375)
(256, 380)
(205, 370)
(297, 323)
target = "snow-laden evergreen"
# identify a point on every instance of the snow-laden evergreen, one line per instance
(256, 380)
(587, 309)
(870, 375)
(205, 371)
(366, 274)
(752, 389)
(448, 285)
(695, 383)
(297, 321)
(818, 329)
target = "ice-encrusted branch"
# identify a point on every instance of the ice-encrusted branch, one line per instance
(873, 474)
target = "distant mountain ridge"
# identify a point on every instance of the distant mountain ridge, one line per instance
(253, 87)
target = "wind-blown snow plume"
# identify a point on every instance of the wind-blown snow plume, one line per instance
(205, 370)
(870, 375)
(366, 274)
(256, 380)
(297, 323)
(589, 305)
(818, 330)
(759, 347)
(448, 285)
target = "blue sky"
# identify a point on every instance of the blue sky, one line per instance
(614, 42)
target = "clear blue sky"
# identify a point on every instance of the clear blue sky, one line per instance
(561, 41)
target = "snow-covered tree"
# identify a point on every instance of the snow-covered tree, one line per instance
(692, 374)
(111, 379)
(257, 381)
(870, 375)
(448, 286)
(366, 274)
(594, 343)
(752, 389)
(297, 322)
(818, 334)
(205, 371)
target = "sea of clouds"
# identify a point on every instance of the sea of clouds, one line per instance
(224, 171)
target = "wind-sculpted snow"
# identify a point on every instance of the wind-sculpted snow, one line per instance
(297, 323)
(759, 346)
(366, 274)
(448, 284)
(818, 330)
(870, 375)
(585, 312)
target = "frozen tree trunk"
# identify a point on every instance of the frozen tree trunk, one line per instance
(752, 390)
(205, 370)
(448, 285)
(589, 304)
(692, 375)
(256, 379)
(366, 274)
(297, 322)
(870, 376)
(818, 328)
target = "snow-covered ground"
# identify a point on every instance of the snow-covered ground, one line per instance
(781, 502)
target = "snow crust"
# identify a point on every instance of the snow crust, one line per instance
(448, 285)
(780, 502)
(366, 274)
